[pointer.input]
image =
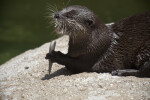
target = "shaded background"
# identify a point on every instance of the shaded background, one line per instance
(23, 23)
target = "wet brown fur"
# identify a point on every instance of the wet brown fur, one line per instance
(123, 45)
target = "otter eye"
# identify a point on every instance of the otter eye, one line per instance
(71, 14)
(88, 22)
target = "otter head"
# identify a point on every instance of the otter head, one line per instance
(75, 20)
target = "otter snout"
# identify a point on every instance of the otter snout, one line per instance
(56, 15)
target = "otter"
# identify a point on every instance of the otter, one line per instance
(122, 49)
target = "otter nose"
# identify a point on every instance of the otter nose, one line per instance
(56, 16)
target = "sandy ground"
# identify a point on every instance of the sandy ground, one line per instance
(25, 77)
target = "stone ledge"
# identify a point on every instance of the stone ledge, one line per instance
(25, 78)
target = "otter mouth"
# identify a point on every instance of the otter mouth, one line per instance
(59, 29)
(62, 27)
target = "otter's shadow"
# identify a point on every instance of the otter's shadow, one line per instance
(62, 71)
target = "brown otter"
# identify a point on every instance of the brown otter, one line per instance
(123, 48)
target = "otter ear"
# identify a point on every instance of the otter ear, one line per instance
(89, 22)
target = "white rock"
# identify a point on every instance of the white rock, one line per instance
(21, 79)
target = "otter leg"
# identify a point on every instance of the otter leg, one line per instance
(144, 71)
(125, 72)
(60, 58)
(71, 63)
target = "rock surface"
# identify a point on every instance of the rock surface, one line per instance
(25, 78)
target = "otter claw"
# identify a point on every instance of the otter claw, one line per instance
(116, 73)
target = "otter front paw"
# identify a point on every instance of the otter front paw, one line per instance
(54, 55)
